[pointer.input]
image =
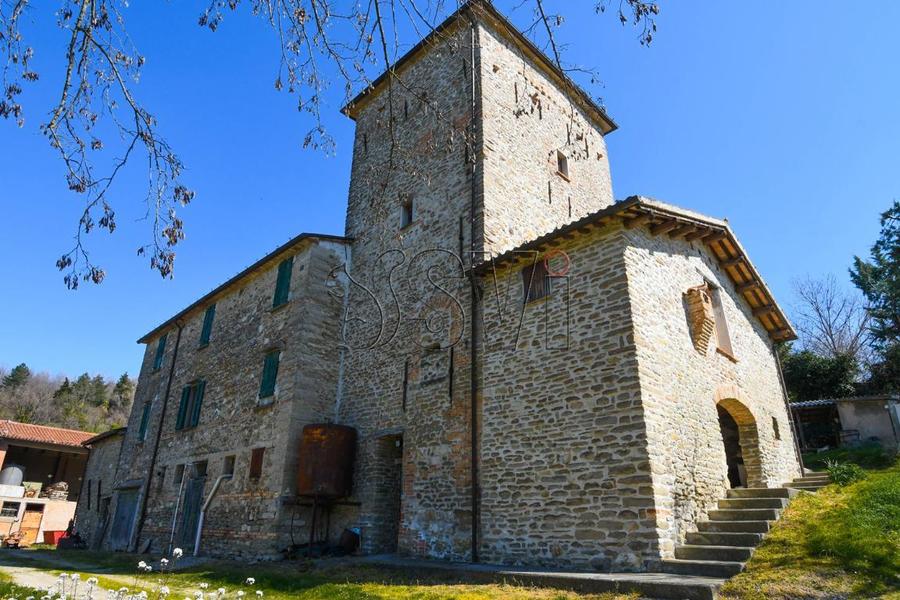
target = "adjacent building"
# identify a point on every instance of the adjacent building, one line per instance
(536, 373)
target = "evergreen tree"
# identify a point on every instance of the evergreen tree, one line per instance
(123, 392)
(17, 377)
(810, 376)
(879, 280)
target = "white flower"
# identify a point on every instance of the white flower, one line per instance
(177, 552)
(75, 576)
(203, 586)
(63, 575)
(221, 591)
(250, 581)
(240, 593)
(164, 590)
(259, 593)
(92, 580)
(198, 594)
(164, 561)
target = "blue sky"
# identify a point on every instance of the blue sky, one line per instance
(781, 117)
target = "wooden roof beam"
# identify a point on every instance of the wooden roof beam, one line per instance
(696, 235)
(715, 236)
(748, 287)
(664, 227)
(638, 221)
(768, 309)
(732, 262)
(682, 230)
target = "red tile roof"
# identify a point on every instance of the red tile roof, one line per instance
(13, 430)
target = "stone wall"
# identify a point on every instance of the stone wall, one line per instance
(565, 472)
(680, 386)
(248, 516)
(527, 120)
(95, 507)
(406, 365)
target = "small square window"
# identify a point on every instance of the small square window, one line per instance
(406, 212)
(228, 467)
(10, 510)
(562, 165)
(535, 282)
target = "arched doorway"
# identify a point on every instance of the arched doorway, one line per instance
(741, 441)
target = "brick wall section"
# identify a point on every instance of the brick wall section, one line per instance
(247, 517)
(680, 386)
(565, 471)
(527, 119)
(99, 475)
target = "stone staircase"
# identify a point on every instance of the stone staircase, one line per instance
(723, 544)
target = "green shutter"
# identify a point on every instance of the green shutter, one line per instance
(207, 325)
(160, 351)
(198, 400)
(145, 419)
(269, 375)
(283, 284)
(182, 408)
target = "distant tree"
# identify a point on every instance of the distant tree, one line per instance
(17, 377)
(99, 392)
(123, 392)
(878, 278)
(318, 43)
(811, 376)
(831, 321)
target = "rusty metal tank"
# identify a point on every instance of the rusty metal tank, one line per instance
(327, 454)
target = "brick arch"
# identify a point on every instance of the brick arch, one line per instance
(730, 398)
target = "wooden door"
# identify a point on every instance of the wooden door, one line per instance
(193, 502)
(123, 521)
(31, 523)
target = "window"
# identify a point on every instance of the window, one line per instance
(89, 494)
(160, 351)
(562, 165)
(535, 282)
(283, 283)
(723, 340)
(99, 492)
(269, 374)
(145, 420)
(189, 409)
(161, 478)
(10, 510)
(776, 429)
(198, 469)
(406, 211)
(256, 462)
(208, 318)
(179, 475)
(228, 467)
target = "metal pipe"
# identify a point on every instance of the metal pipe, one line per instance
(209, 499)
(787, 406)
(175, 515)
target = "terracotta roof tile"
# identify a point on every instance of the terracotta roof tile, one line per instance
(13, 430)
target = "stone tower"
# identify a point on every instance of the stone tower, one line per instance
(473, 144)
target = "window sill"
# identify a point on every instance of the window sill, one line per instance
(202, 346)
(727, 355)
(563, 175)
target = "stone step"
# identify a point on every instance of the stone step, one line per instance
(734, 526)
(744, 514)
(721, 538)
(761, 493)
(815, 481)
(752, 503)
(719, 553)
(705, 568)
(823, 477)
(805, 486)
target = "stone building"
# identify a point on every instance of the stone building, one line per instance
(95, 507)
(536, 373)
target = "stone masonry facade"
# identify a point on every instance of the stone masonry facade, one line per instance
(517, 352)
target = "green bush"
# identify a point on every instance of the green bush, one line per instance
(844, 473)
(868, 456)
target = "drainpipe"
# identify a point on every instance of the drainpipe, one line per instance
(787, 408)
(209, 499)
(145, 496)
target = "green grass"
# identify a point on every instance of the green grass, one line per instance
(842, 542)
(296, 580)
(10, 590)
